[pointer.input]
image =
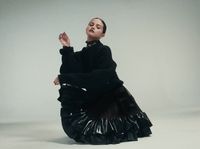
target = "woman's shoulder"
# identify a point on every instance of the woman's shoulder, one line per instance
(102, 46)
(105, 49)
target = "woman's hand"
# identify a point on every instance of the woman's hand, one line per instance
(64, 39)
(56, 81)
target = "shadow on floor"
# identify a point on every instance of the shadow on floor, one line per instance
(63, 140)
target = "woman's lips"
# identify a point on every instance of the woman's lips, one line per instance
(91, 30)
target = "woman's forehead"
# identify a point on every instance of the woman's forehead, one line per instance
(96, 21)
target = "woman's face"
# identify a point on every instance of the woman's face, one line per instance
(94, 30)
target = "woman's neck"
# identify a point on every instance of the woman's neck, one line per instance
(92, 39)
(92, 42)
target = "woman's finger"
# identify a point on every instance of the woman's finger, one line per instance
(60, 36)
(65, 37)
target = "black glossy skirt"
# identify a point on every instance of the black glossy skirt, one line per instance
(109, 119)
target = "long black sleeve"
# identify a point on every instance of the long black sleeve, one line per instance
(71, 61)
(98, 78)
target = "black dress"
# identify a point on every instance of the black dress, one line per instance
(96, 107)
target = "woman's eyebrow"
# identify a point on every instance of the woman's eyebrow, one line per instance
(99, 25)
(96, 24)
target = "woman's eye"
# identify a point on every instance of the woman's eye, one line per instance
(98, 27)
(91, 24)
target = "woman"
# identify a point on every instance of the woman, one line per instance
(96, 106)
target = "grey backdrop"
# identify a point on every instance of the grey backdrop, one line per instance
(155, 44)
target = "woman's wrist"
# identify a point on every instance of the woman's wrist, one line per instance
(66, 45)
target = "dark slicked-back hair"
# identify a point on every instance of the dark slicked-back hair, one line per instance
(104, 24)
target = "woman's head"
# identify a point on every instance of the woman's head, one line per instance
(96, 29)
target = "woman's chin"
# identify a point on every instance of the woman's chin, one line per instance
(91, 37)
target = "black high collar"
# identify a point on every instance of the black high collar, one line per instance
(91, 43)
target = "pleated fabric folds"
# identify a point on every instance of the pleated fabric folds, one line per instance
(109, 119)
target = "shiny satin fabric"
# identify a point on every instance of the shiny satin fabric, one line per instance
(108, 119)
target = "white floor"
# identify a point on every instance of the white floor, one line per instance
(182, 131)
